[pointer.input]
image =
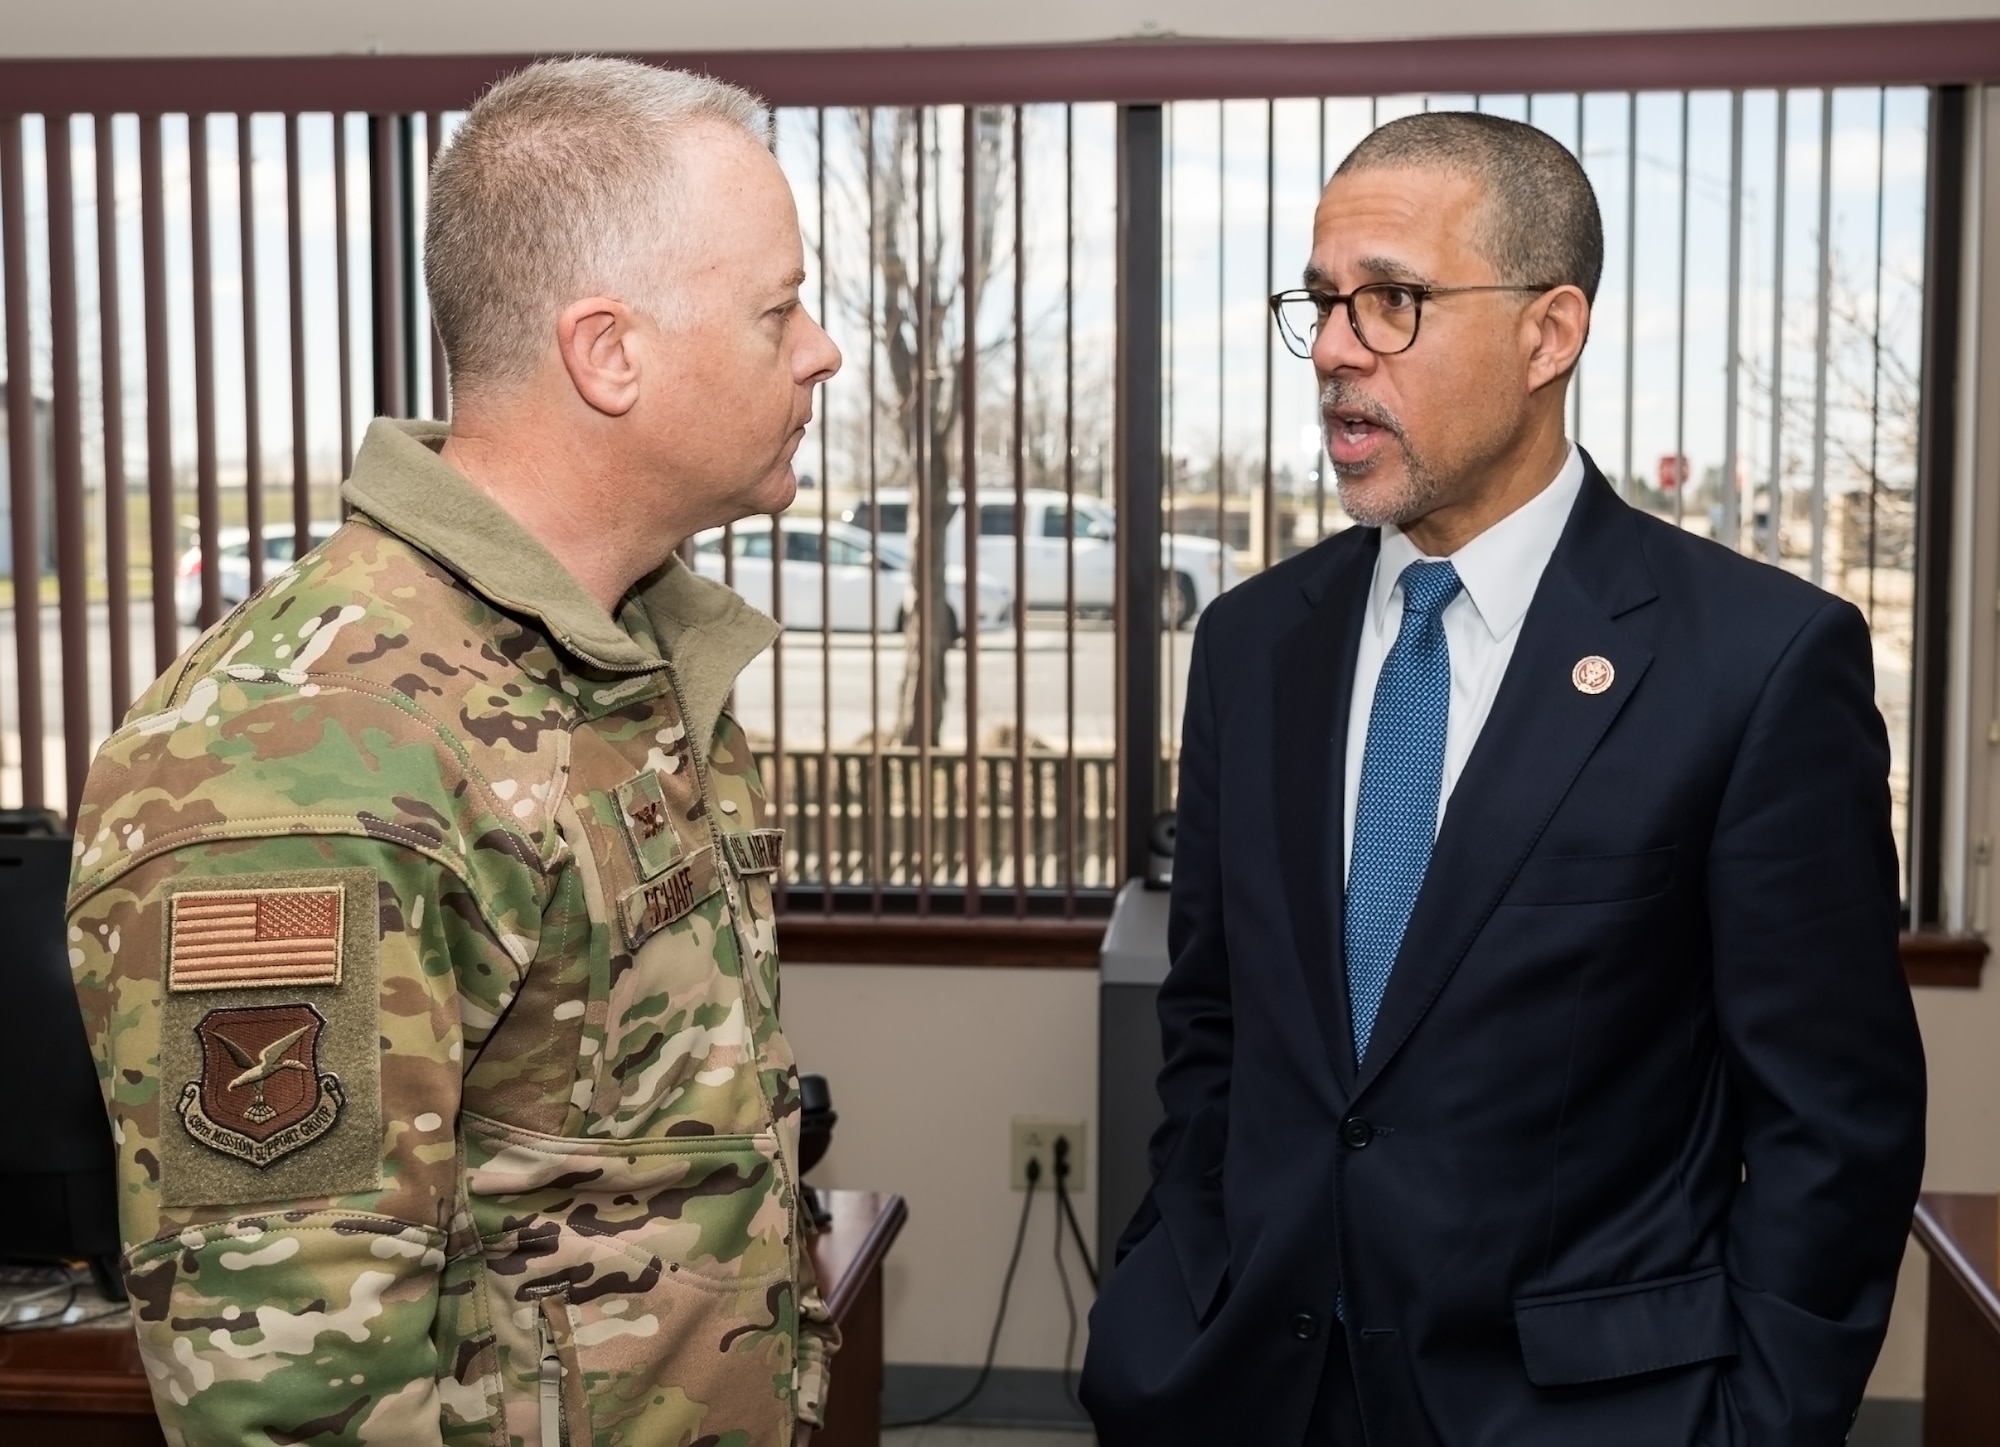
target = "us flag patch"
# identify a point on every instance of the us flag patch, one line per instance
(228, 939)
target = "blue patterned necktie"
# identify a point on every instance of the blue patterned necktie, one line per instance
(1396, 807)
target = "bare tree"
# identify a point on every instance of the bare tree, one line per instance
(920, 321)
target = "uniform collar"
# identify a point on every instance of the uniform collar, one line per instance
(1501, 568)
(706, 631)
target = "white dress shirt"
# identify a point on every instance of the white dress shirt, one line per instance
(1499, 570)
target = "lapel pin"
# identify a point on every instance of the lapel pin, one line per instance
(1592, 675)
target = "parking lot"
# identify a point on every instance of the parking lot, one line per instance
(827, 695)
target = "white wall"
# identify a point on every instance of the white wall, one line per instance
(928, 1068)
(260, 27)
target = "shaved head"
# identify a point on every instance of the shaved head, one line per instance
(1539, 225)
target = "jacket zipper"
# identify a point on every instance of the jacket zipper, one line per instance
(555, 1427)
(698, 751)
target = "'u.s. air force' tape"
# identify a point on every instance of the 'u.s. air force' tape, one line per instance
(761, 851)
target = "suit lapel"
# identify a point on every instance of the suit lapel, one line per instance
(1541, 731)
(1315, 677)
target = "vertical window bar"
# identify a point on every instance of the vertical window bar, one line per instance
(1626, 479)
(1137, 615)
(1732, 501)
(1171, 454)
(969, 510)
(409, 318)
(1221, 378)
(207, 505)
(1321, 466)
(23, 466)
(66, 421)
(296, 298)
(827, 796)
(1269, 524)
(1775, 498)
(1071, 802)
(1024, 796)
(1576, 380)
(440, 375)
(920, 530)
(342, 292)
(159, 401)
(253, 431)
(1821, 336)
(876, 864)
(111, 375)
(1682, 471)
(1875, 349)
(386, 254)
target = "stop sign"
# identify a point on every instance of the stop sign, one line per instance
(1673, 471)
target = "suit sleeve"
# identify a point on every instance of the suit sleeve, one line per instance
(1820, 1038)
(1197, 1029)
(300, 1299)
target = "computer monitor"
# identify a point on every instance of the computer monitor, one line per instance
(58, 1191)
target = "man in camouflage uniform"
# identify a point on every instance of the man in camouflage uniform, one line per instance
(422, 911)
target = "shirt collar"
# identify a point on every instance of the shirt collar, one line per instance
(1501, 568)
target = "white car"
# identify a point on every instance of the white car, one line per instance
(852, 570)
(1194, 570)
(234, 545)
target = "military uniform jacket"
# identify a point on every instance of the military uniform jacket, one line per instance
(422, 924)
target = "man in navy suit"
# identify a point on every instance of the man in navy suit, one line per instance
(1540, 1070)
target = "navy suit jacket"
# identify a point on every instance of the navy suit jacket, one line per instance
(1631, 1157)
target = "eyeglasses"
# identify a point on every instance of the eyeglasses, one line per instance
(1384, 314)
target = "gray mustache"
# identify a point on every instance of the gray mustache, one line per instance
(1335, 398)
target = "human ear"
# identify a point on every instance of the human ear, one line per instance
(1560, 322)
(595, 339)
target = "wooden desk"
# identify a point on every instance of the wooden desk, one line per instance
(849, 1255)
(84, 1386)
(1961, 1234)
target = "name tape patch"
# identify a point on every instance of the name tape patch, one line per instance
(245, 938)
(652, 906)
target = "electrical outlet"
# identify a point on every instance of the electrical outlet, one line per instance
(1035, 1138)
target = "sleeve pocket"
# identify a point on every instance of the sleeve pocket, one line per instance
(1577, 1337)
(1593, 878)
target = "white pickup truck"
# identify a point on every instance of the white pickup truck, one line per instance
(1193, 570)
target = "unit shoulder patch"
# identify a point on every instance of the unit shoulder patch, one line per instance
(270, 1057)
(261, 1094)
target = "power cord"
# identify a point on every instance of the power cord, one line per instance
(1067, 1212)
(1034, 1174)
(1062, 1275)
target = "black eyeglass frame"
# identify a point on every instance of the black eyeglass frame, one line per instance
(1418, 295)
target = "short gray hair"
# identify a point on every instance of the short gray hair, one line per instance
(1541, 226)
(562, 175)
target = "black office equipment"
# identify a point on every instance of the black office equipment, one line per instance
(58, 1192)
(817, 1118)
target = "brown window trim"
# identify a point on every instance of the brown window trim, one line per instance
(1931, 958)
(1919, 53)
(998, 942)
(1944, 961)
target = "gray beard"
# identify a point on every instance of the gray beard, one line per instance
(1421, 488)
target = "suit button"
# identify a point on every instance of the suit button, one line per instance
(1356, 1132)
(1305, 1326)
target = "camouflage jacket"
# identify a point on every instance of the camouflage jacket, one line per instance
(422, 924)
